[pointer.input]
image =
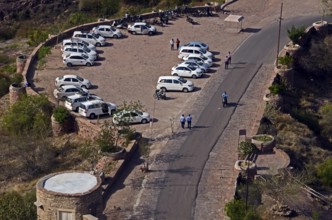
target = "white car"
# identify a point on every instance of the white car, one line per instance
(200, 64)
(72, 80)
(73, 102)
(174, 83)
(199, 57)
(76, 42)
(94, 108)
(141, 28)
(130, 117)
(70, 49)
(63, 92)
(90, 38)
(186, 51)
(187, 70)
(107, 31)
(77, 59)
(199, 44)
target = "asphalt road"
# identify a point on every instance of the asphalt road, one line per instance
(177, 199)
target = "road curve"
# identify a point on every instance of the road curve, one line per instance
(177, 198)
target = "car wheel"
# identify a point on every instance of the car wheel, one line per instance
(175, 74)
(144, 121)
(69, 64)
(98, 44)
(150, 33)
(88, 64)
(194, 76)
(92, 116)
(185, 90)
(112, 112)
(116, 36)
(163, 89)
(76, 110)
(133, 33)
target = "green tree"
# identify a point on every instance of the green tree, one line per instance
(236, 209)
(325, 120)
(324, 172)
(36, 37)
(60, 114)
(295, 33)
(16, 206)
(30, 115)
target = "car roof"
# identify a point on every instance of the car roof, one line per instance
(169, 77)
(91, 102)
(70, 76)
(75, 53)
(104, 26)
(69, 86)
(190, 47)
(196, 42)
(140, 23)
(76, 96)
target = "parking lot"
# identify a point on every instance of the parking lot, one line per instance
(128, 68)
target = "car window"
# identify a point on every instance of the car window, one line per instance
(176, 81)
(133, 114)
(182, 80)
(80, 78)
(74, 80)
(82, 106)
(107, 29)
(168, 81)
(67, 80)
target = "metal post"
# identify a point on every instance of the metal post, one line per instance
(247, 186)
(280, 18)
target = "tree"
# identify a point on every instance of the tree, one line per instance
(324, 172)
(236, 209)
(295, 33)
(325, 120)
(29, 116)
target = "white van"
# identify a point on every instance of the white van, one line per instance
(186, 51)
(174, 83)
(73, 102)
(92, 109)
(91, 38)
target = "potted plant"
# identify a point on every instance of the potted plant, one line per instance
(324, 7)
(60, 121)
(264, 142)
(246, 148)
(294, 34)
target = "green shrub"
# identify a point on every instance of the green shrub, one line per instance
(4, 59)
(4, 84)
(236, 209)
(60, 114)
(8, 68)
(295, 34)
(36, 37)
(79, 18)
(276, 89)
(30, 115)
(306, 118)
(325, 120)
(246, 148)
(106, 140)
(16, 206)
(7, 33)
(324, 172)
(286, 60)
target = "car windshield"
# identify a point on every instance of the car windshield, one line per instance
(201, 50)
(113, 29)
(139, 112)
(149, 26)
(86, 49)
(69, 100)
(80, 78)
(95, 35)
(182, 80)
(85, 56)
(60, 77)
(192, 66)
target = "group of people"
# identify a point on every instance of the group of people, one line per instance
(228, 60)
(184, 119)
(177, 42)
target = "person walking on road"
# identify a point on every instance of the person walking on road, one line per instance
(182, 121)
(226, 62)
(177, 43)
(189, 119)
(171, 42)
(229, 58)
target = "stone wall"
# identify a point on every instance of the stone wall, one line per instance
(49, 203)
(86, 129)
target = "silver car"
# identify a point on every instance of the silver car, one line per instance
(107, 31)
(77, 59)
(63, 92)
(72, 80)
(69, 49)
(141, 28)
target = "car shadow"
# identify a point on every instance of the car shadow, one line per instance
(157, 34)
(124, 36)
(101, 58)
(205, 76)
(197, 89)
(94, 87)
(100, 51)
(98, 63)
(216, 59)
(108, 44)
(215, 52)
(153, 120)
(212, 71)
(215, 65)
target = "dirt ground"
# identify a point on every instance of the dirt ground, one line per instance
(129, 68)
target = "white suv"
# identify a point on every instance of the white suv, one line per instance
(186, 51)
(76, 42)
(92, 109)
(77, 59)
(174, 83)
(107, 31)
(73, 102)
(91, 38)
(141, 28)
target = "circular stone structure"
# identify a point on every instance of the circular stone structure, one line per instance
(70, 194)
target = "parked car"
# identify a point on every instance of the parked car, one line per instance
(199, 57)
(72, 80)
(72, 49)
(77, 42)
(200, 64)
(107, 31)
(174, 83)
(199, 44)
(90, 38)
(63, 92)
(92, 109)
(73, 102)
(131, 117)
(141, 28)
(77, 59)
(186, 51)
(186, 70)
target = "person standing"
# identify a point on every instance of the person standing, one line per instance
(189, 119)
(177, 43)
(229, 58)
(171, 42)
(226, 62)
(182, 121)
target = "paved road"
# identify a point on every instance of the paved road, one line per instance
(177, 199)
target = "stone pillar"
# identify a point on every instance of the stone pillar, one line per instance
(15, 91)
(20, 62)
